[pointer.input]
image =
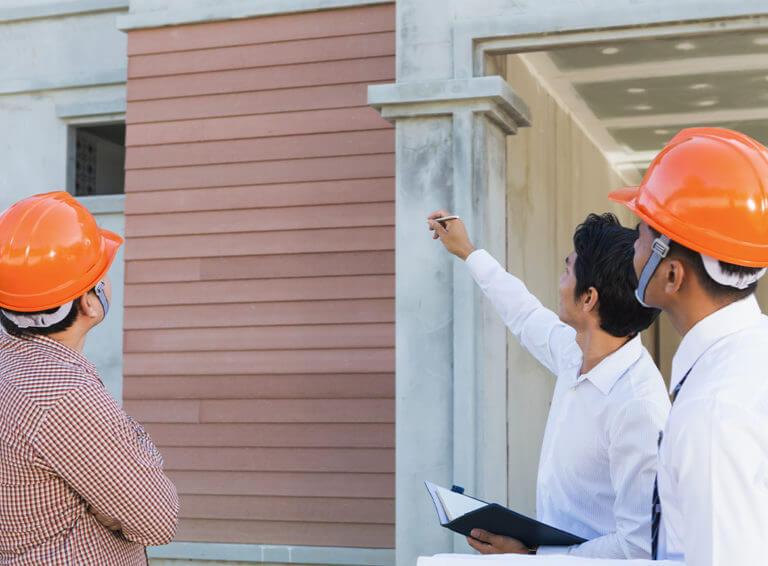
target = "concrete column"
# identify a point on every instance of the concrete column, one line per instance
(451, 348)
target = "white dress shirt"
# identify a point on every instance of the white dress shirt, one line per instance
(598, 459)
(713, 461)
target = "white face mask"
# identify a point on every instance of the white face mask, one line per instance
(37, 320)
(736, 280)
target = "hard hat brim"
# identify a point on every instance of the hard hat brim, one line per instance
(112, 243)
(628, 197)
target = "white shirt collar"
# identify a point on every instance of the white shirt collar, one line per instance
(710, 329)
(605, 374)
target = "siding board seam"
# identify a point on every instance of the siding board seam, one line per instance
(270, 183)
(245, 162)
(255, 44)
(265, 232)
(132, 98)
(261, 208)
(244, 93)
(386, 128)
(279, 136)
(275, 184)
(158, 78)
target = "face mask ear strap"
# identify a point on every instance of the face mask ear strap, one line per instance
(660, 249)
(99, 290)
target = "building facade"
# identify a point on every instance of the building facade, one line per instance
(304, 355)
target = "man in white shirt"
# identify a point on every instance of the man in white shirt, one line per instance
(598, 458)
(703, 245)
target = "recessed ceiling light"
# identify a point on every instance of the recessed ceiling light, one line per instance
(642, 107)
(710, 102)
(661, 132)
(635, 90)
(700, 86)
(685, 46)
(760, 40)
(610, 51)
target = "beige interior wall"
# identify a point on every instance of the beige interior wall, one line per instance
(556, 176)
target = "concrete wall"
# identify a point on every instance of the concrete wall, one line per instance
(426, 28)
(159, 13)
(44, 64)
(56, 71)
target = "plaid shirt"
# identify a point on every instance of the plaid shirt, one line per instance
(65, 445)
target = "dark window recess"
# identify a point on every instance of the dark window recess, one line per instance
(98, 160)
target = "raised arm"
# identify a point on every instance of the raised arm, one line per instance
(111, 462)
(538, 329)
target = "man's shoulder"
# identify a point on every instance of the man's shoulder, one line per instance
(40, 377)
(746, 346)
(732, 373)
(642, 383)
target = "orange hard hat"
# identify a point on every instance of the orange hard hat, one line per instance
(708, 190)
(51, 252)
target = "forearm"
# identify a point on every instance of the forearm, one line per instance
(111, 463)
(538, 329)
(508, 294)
(154, 521)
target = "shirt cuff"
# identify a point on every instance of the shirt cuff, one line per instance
(481, 265)
(550, 550)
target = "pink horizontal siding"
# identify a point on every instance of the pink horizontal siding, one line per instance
(309, 193)
(273, 29)
(261, 267)
(275, 435)
(262, 55)
(261, 78)
(287, 484)
(287, 532)
(369, 335)
(347, 311)
(259, 318)
(264, 219)
(248, 103)
(262, 149)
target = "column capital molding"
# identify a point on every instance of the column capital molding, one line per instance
(491, 96)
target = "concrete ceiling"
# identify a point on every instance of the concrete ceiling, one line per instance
(633, 97)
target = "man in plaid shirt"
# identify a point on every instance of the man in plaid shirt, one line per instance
(80, 482)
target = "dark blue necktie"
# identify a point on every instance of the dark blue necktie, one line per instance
(656, 509)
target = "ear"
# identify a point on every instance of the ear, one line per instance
(674, 275)
(89, 305)
(590, 300)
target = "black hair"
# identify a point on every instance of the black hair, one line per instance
(714, 289)
(604, 260)
(60, 326)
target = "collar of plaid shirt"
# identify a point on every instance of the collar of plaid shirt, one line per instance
(57, 349)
